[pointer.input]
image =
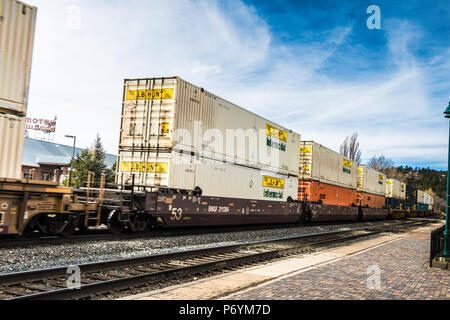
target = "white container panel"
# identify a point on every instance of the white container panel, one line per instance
(215, 178)
(12, 136)
(395, 189)
(17, 27)
(319, 163)
(420, 196)
(188, 118)
(371, 181)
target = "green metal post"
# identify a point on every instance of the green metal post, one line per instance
(446, 252)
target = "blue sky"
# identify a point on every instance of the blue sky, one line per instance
(312, 66)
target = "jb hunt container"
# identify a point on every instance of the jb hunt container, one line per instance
(180, 136)
(318, 163)
(371, 181)
(429, 200)
(420, 197)
(395, 189)
(12, 136)
(17, 26)
(371, 188)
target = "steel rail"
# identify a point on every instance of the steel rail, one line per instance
(102, 287)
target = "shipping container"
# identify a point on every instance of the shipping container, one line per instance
(324, 165)
(420, 197)
(370, 200)
(17, 21)
(177, 170)
(395, 189)
(396, 204)
(162, 115)
(324, 193)
(12, 136)
(411, 198)
(371, 181)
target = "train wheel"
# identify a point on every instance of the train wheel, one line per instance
(68, 230)
(113, 223)
(137, 224)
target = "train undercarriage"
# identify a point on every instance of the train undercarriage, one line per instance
(42, 207)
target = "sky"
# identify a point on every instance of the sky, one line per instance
(312, 66)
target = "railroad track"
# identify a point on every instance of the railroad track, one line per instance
(104, 278)
(104, 235)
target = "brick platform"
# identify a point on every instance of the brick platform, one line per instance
(342, 273)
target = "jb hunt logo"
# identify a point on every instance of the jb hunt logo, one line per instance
(347, 166)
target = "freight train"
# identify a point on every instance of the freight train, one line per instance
(190, 158)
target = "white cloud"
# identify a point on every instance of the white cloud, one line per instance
(229, 50)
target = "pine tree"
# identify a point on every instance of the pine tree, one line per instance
(98, 150)
(92, 160)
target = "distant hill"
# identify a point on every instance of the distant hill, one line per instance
(425, 179)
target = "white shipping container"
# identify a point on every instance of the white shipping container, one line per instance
(165, 114)
(420, 196)
(325, 165)
(371, 181)
(395, 189)
(177, 170)
(17, 26)
(12, 136)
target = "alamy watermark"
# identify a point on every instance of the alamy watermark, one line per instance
(374, 21)
(73, 17)
(373, 281)
(74, 280)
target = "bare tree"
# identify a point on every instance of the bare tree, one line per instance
(384, 165)
(350, 148)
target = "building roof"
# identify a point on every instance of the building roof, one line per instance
(37, 152)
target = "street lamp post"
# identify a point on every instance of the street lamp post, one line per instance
(73, 156)
(446, 233)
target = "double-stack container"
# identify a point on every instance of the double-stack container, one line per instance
(17, 21)
(395, 194)
(422, 200)
(17, 26)
(411, 198)
(180, 136)
(326, 176)
(371, 187)
(429, 200)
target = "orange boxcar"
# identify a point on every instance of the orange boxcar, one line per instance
(370, 200)
(333, 195)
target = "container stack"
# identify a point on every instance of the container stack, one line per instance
(17, 23)
(422, 200)
(411, 198)
(326, 176)
(179, 136)
(371, 188)
(396, 194)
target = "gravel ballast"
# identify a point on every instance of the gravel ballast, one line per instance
(46, 256)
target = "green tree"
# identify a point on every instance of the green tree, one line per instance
(111, 173)
(92, 160)
(98, 150)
